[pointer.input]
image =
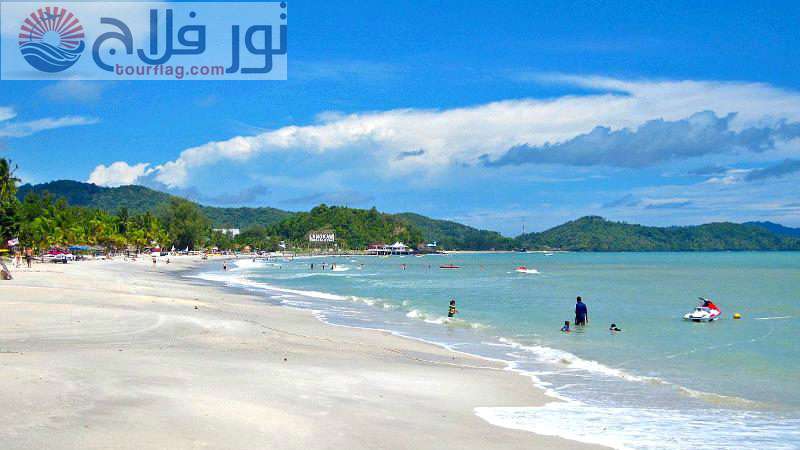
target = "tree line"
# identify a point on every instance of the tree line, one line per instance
(41, 221)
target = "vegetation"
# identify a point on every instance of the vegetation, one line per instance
(44, 223)
(186, 224)
(70, 212)
(452, 235)
(9, 222)
(354, 228)
(244, 217)
(597, 234)
(139, 199)
(776, 228)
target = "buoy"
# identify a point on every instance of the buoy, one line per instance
(737, 316)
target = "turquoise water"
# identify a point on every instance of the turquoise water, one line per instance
(727, 380)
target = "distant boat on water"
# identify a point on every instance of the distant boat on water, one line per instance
(449, 266)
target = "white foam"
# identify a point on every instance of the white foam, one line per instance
(644, 428)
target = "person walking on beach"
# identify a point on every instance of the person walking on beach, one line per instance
(29, 256)
(581, 313)
(452, 311)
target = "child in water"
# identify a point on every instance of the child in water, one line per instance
(452, 311)
(565, 328)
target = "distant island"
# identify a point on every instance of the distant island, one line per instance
(357, 228)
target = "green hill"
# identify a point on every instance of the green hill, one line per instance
(139, 199)
(452, 235)
(354, 228)
(598, 234)
(776, 228)
(357, 228)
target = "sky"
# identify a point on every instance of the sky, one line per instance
(493, 114)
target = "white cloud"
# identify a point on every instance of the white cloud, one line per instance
(6, 113)
(80, 91)
(118, 174)
(22, 129)
(461, 135)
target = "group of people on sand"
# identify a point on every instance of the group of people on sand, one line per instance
(581, 316)
(28, 252)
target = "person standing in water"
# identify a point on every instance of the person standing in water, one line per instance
(581, 313)
(452, 311)
(224, 266)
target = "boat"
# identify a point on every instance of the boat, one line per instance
(706, 312)
(702, 314)
(523, 269)
(449, 266)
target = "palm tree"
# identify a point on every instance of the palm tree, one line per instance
(9, 224)
(8, 182)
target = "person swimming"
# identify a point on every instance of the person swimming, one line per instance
(565, 328)
(614, 328)
(452, 311)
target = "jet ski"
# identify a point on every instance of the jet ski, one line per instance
(704, 313)
(523, 269)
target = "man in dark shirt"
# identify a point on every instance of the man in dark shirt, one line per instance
(581, 313)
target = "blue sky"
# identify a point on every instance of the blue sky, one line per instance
(490, 113)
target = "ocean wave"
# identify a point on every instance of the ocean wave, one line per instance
(443, 320)
(650, 428)
(49, 58)
(561, 358)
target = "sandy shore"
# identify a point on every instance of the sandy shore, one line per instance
(121, 355)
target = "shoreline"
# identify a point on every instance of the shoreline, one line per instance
(314, 384)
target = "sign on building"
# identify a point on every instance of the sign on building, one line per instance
(322, 236)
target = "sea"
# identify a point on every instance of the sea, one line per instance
(660, 383)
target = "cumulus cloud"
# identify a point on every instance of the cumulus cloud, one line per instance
(22, 129)
(453, 137)
(780, 169)
(118, 174)
(653, 142)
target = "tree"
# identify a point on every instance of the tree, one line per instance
(185, 223)
(9, 205)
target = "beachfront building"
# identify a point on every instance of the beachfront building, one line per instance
(398, 248)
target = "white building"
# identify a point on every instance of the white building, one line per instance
(232, 232)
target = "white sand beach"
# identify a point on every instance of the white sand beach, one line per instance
(123, 355)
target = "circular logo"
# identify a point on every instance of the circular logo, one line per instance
(51, 39)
